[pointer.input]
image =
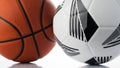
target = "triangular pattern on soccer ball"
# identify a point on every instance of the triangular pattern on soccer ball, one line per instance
(88, 30)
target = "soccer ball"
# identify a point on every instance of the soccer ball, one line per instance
(89, 30)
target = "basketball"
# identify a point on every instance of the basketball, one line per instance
(26, 32)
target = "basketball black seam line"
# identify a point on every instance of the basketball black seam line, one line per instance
(20, 34)
(29, 24)
(23, 39)
(25, 35)
(41, 22)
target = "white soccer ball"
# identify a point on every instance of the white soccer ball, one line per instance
(89, 30)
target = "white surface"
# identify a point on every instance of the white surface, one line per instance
(67, 16)
(56, 59)
(106, 13)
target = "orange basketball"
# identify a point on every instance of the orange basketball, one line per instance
(26, 32)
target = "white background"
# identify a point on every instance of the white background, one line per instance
(56, 59)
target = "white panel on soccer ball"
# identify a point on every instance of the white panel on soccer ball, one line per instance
(66, 7)
(106, 13)
(84, 50)
(62, 32)
(61, 17)
(118, 1)
(96, 43)
(88, 30)
(87, 3)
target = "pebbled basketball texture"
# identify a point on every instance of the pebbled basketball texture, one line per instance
(26, 32)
